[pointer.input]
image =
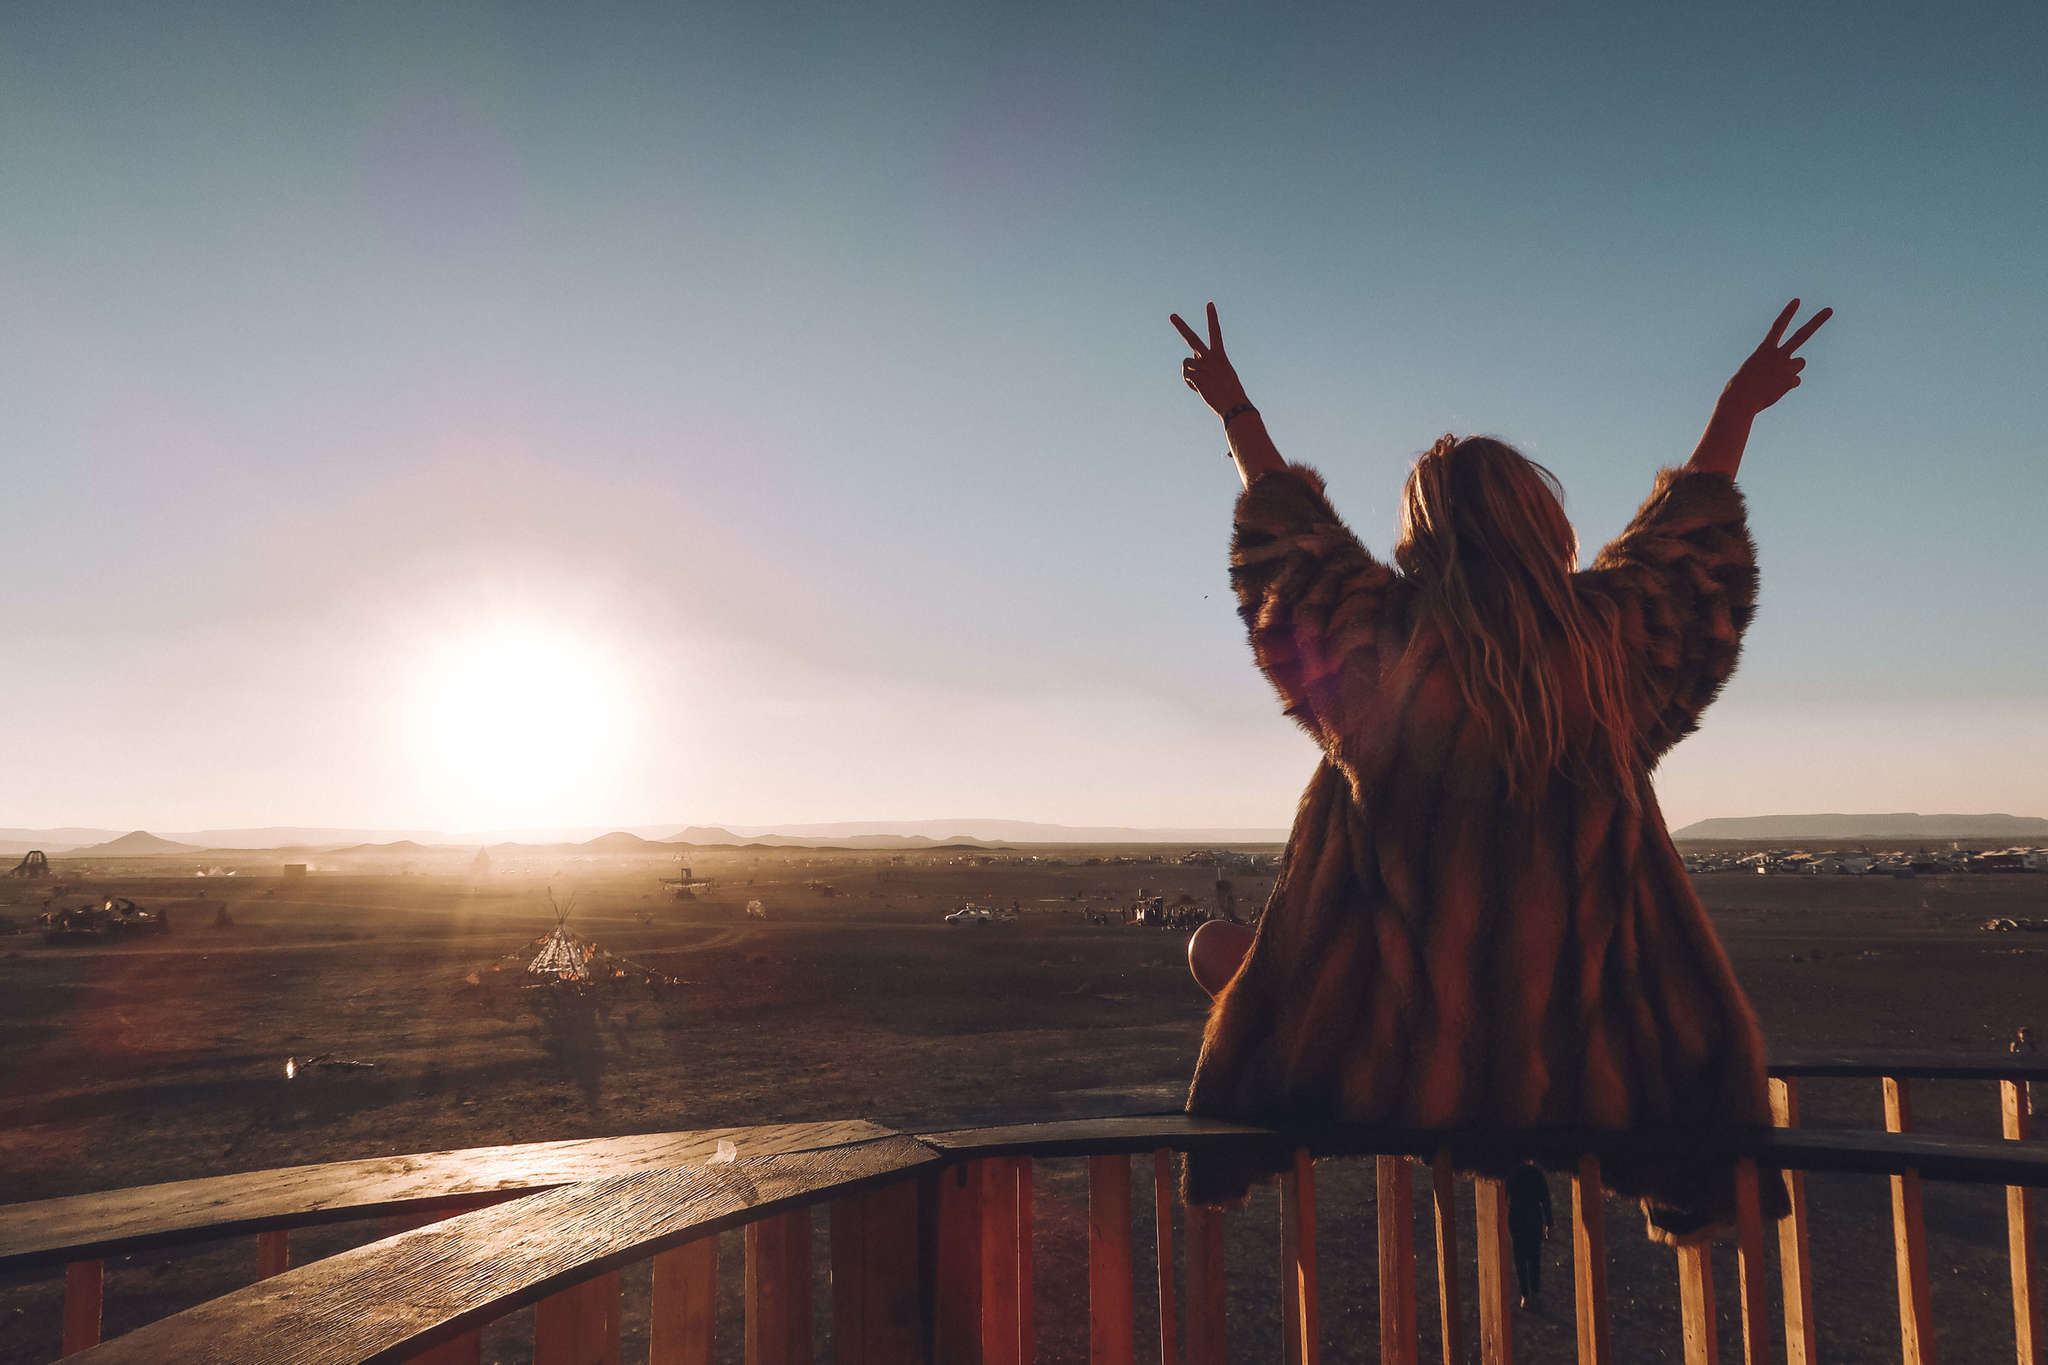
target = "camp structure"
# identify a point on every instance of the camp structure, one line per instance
(114, 918)
(562, 965)
(35, 864)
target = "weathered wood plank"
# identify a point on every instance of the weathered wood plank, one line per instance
(1589, 1263)
(957, 1273)
(2017, 1120)
(1162, 1236)
(1496, 1317)
(1449, 1294)
(87, 1226)
(579, 1325)
(1795, 1272)
(394, 1299)
(1096, 1137)
(778, 1330)
(682, 1311)
(1208, 1290)
(1002, 1341)
(84, 1283)
(1909, 1239)
(1702, 1341)
(1972, 1160)
(1911, 1065)
(1749, 1262)
(1396, 1207)
(1112, 1322)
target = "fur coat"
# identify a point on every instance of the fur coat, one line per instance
(1439, 954)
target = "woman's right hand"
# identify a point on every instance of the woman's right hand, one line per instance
(1209, 371)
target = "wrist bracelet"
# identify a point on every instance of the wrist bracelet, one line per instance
(1240, 410)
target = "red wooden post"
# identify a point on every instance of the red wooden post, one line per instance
(1749, 1260)
(683, 1308)
(778, 1289)
(1795, 1273)
(1001, 1337)
(1111, 1325)
(1206, 1286)
(1696, 1305)
(1298, 1210)
(84, 1282)
(876, 1303)
(273, 1253)
(1398, 1344)
(580, 1325)
(1449, 1304)
(958, 1328)
(1909, 1239)
(1162, 1223)
(2017, 1109)
(1589, 1263)
(1496, 1323)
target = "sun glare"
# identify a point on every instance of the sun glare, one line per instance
(517, 721)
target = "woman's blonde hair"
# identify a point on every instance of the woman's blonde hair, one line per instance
(1484, 534)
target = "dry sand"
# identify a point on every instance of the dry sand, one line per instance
(163, 1059)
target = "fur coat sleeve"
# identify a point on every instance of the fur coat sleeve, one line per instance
(1681, 583)
(1320, 610)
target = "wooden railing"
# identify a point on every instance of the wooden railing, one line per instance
(931, 1237)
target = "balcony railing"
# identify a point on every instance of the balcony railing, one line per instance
(931, 1239)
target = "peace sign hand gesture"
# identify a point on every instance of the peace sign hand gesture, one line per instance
(1209, 371)
(1772, 371)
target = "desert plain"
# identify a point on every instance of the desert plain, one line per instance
(163, 1058)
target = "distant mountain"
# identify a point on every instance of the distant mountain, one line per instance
(1906, 825)
(619, 841)
(924, 833)
(400, 848)
(135, 844)
(51, 840)
(302, 836)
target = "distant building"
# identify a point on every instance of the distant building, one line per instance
(293, 871)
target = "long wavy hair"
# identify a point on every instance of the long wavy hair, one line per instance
(1485, 537)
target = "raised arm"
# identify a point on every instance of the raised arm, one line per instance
(1210, 374)
(1770, 372)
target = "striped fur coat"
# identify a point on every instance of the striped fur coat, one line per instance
(1436, 954)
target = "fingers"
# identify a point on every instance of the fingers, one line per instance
(1778, 327)
(1215, 330)
(1812, 325)
(1188, 334)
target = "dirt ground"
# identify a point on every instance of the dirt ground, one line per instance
(163, 1059)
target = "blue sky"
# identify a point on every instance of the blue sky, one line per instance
(796, 385)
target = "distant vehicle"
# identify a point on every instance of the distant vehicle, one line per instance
(971, 913)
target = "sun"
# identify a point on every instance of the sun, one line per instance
(516, 721)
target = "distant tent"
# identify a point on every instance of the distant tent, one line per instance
(480, 866)
(562, 956)
(36, 864)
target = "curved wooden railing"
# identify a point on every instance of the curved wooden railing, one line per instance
(931, 1240)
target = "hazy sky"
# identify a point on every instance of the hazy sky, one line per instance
(784, 400)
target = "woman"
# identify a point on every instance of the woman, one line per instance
(1482, 921)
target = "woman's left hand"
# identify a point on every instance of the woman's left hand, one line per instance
(1209, 371)
(1772, 370)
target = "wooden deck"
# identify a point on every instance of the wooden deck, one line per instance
(930, 1236)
